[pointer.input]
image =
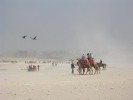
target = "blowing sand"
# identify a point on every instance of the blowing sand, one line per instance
(57, 83)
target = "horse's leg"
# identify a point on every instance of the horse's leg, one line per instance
(98, 70)
(103, 67)
(99, 66)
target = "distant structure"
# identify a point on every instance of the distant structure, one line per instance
(26, 60)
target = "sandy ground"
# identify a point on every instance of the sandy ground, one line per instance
(57, 83)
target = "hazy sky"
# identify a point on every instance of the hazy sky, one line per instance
(103, 27)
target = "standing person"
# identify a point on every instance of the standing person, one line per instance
(83, 57)
(38, 67)
(52, 64)
(89, 56)
(34, 67)
(72, 67)
(55, 64)
(101, 61)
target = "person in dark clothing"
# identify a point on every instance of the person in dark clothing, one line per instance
(38, 67)
(72, 67)
(101, 61)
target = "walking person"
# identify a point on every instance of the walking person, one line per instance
(52, 64)
(38, 67)
(72, 67)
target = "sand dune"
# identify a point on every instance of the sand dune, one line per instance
(57, 83)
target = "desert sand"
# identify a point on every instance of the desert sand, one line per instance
(57, 83)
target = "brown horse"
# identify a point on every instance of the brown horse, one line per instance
(82, 67)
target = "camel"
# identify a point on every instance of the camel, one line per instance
(82, 67)
(97, 69)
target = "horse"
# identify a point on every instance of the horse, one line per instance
(83, 66)
(101, 65)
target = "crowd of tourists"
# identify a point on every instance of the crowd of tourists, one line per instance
(33, 68)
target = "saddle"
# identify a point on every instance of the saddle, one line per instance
(92, 61)
(85, 62)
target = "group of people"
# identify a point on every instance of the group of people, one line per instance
(54, 64)
(33, 67)
(89, 58)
